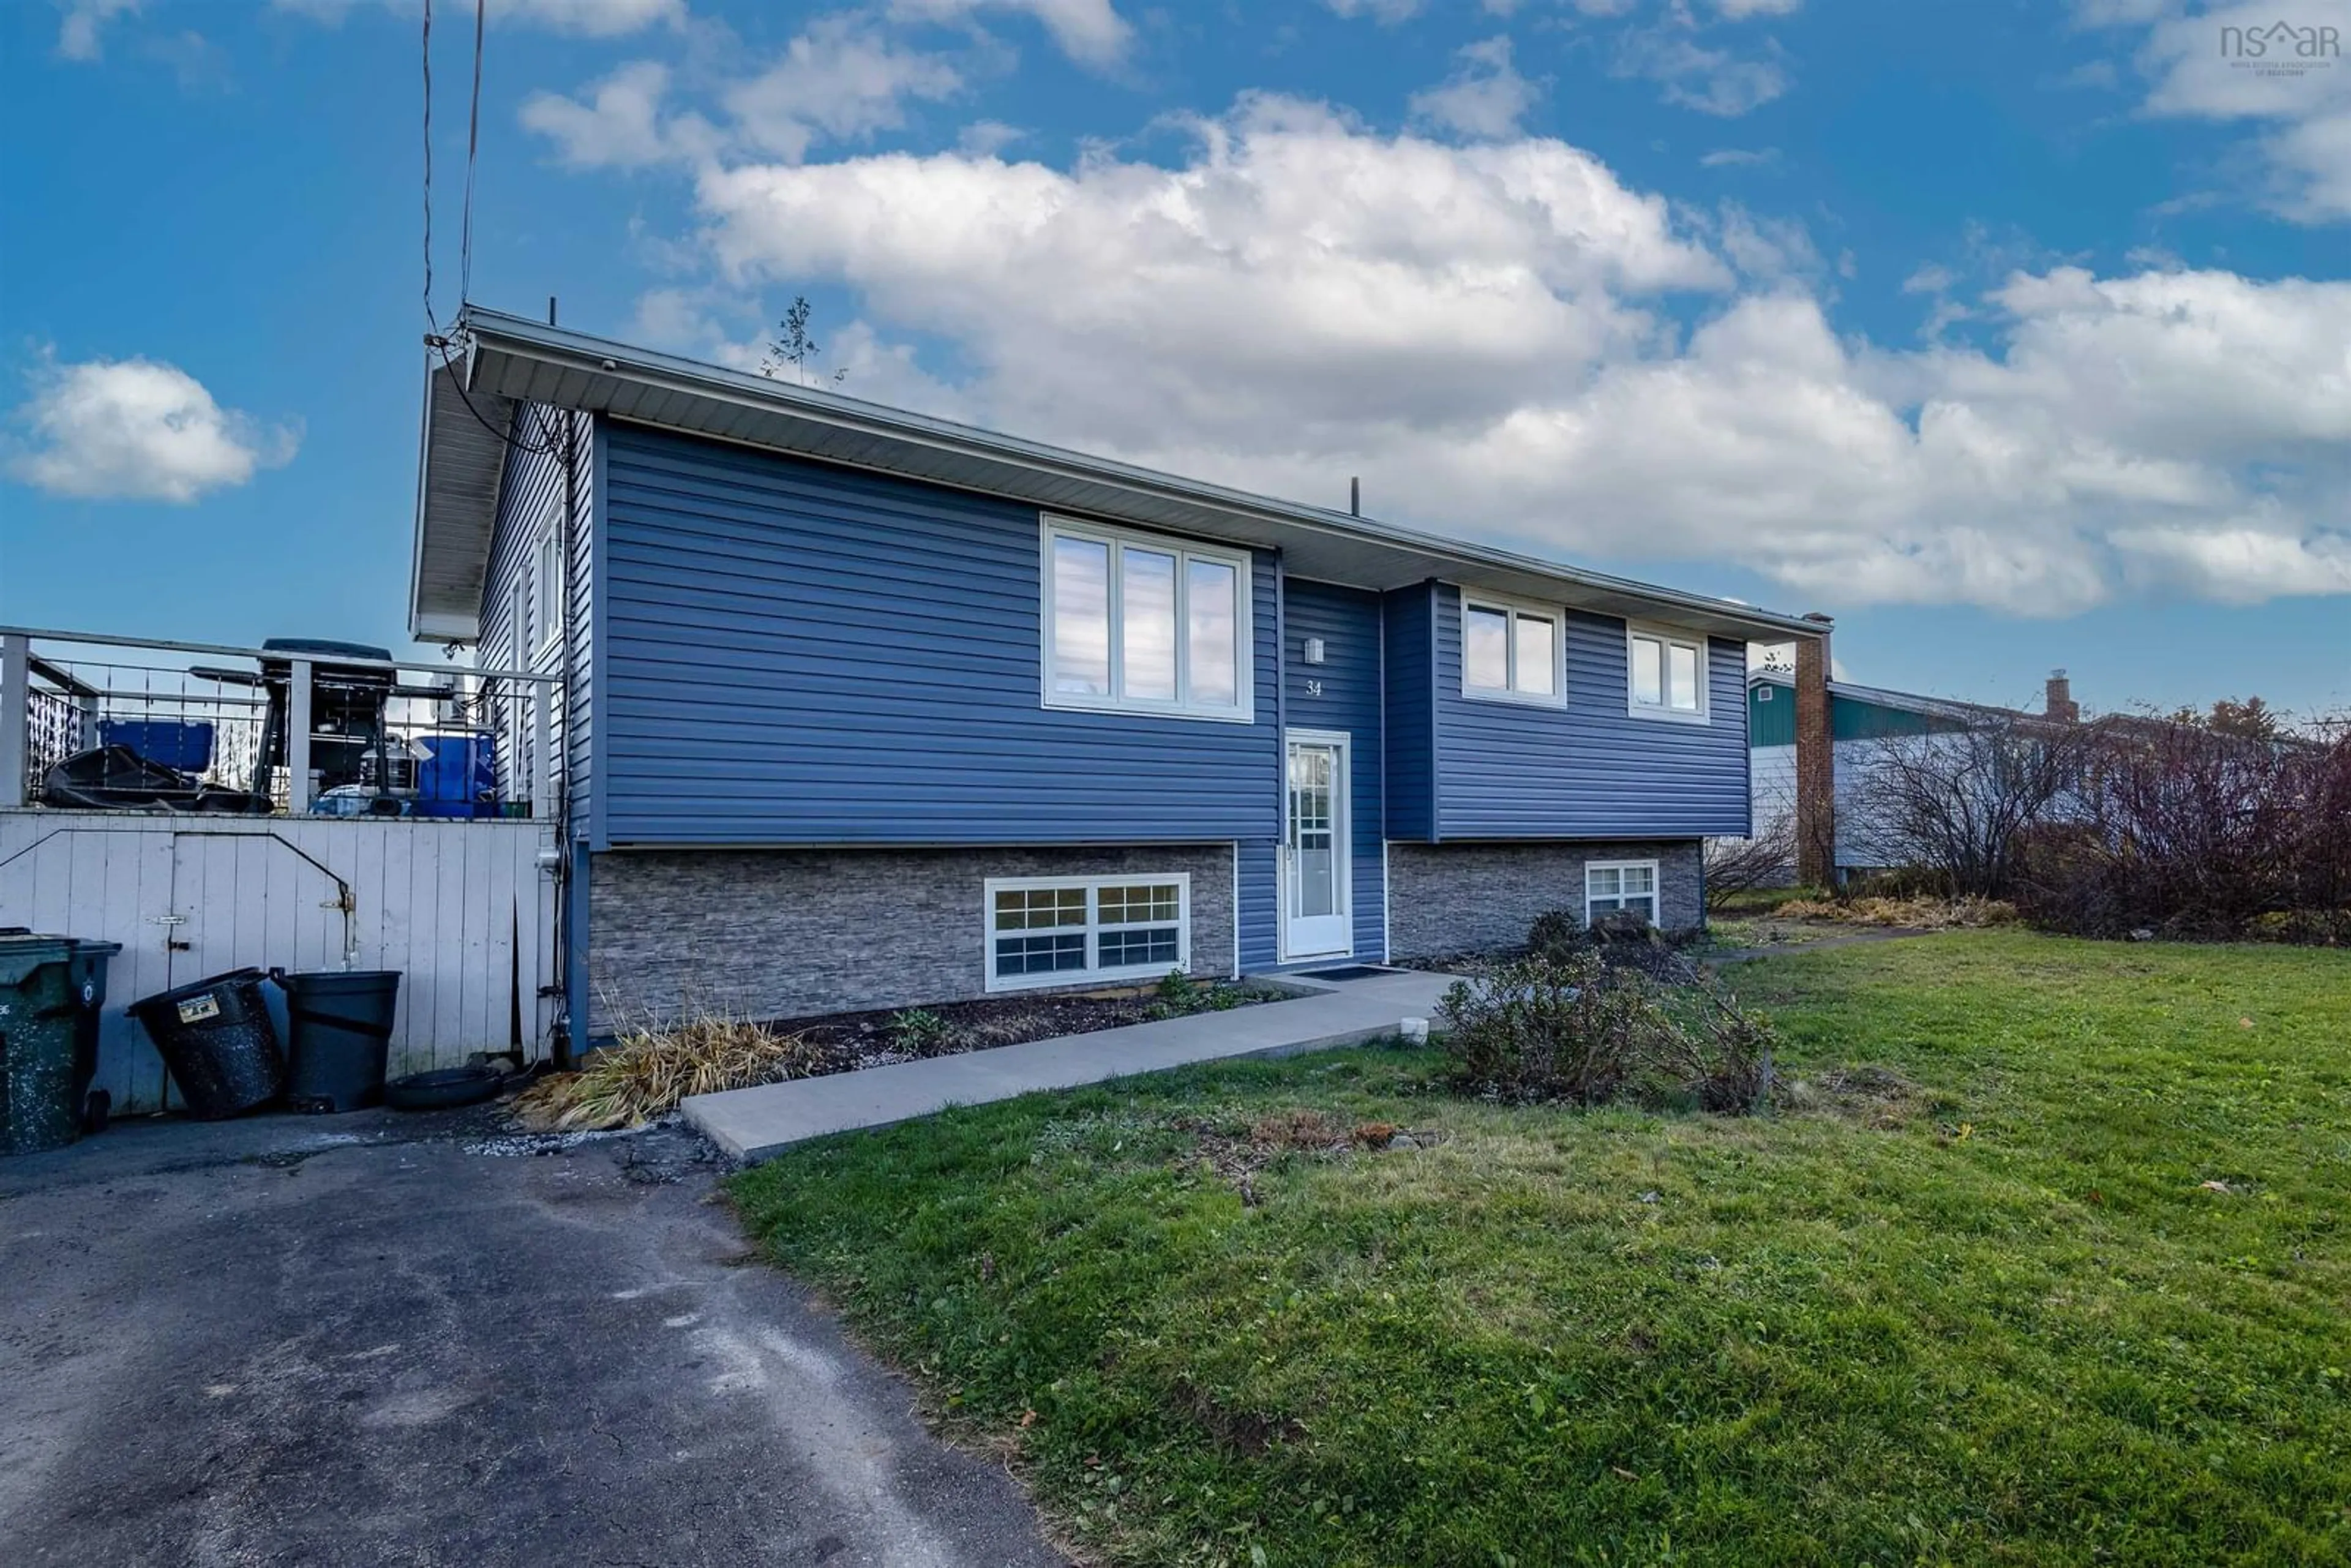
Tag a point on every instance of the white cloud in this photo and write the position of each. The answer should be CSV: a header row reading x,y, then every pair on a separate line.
x,y
2241,564
620,124
1710,81
1740,158
987,137
1487,333
839,78
84,20
1484,97
1736,10
588,18
138,429
2289,81
1388,12
1091,32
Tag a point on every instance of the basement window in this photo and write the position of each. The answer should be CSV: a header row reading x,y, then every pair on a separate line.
x,y
1060,931
1611,886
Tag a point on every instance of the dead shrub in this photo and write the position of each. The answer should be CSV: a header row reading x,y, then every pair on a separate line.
x,y
645,1073
1569,1025
1911,913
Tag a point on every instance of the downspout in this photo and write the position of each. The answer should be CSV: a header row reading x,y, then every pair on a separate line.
x,y
560,1036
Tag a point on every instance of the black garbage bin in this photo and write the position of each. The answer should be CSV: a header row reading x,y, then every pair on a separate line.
x,y
339,1029
216,1038
51,991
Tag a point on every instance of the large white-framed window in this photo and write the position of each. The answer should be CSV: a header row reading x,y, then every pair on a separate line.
x,y
546,593
1665,674
1060,931
1144,625
1512,650
1614,886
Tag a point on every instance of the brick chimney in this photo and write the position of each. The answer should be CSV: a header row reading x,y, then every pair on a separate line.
x,y
2059,703
1816,761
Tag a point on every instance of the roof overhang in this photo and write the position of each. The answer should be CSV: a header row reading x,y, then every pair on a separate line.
x,y
512,360
457,476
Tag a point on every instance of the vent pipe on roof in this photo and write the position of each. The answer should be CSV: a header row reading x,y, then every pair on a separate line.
x,y
1355,496
551,309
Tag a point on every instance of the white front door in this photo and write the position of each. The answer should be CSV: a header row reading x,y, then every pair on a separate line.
x,y
1314,892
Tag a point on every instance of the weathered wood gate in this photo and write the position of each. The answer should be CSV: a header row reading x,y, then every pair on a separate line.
x,y
465,910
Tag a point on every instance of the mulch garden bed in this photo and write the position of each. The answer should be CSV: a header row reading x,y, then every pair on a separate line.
x,y
882,1038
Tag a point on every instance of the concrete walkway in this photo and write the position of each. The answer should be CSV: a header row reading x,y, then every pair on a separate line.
x,y
753,1123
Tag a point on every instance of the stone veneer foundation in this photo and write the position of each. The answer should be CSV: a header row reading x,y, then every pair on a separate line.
x,y
1467,896
771,934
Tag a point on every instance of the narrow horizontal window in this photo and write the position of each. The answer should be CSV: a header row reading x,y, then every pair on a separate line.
x,y
1665,674
1056,931
1511,652
1144,625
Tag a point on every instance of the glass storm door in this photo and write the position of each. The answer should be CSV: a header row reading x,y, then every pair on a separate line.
x,y
1314,874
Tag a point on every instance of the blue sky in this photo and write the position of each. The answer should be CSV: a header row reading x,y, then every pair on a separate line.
x,y
2014,335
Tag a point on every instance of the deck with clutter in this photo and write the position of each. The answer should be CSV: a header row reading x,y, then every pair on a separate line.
x,y
310,807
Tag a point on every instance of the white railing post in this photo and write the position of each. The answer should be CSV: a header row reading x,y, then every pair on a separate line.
x,y
542,748
15,715
298,738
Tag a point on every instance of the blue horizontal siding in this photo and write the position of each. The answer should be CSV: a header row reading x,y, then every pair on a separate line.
x,y
1259,916
1410,634
801,653
1349,701
1512,770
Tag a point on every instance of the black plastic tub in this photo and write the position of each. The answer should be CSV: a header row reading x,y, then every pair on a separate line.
x,y
339,1032
215,1038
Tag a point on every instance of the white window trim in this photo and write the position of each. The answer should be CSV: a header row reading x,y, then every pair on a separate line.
x,y
1244,708
1656,886
1557,696
1094,885
1669,635
547,591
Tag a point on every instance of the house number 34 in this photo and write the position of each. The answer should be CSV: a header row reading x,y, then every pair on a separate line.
x,y
1313,688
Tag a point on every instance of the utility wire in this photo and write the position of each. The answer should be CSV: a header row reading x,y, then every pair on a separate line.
x,y
473,150
429,319
437,341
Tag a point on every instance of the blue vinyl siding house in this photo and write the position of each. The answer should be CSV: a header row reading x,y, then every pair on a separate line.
x,y
865,709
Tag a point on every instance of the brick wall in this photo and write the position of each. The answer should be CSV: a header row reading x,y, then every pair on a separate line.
x,y
1468,897
790,933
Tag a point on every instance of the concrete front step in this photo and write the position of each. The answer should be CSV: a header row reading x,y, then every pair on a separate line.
x,y
753,1123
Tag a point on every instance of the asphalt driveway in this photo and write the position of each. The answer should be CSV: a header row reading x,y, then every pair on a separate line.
x,y
378,1339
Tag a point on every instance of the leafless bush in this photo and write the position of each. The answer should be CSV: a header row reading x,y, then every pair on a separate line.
x,y
1768,858
2188,830
1958,802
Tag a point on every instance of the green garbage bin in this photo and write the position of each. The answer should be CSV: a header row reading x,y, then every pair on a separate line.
x,y
52,990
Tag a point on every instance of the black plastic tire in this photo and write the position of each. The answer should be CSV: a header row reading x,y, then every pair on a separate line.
x,y
444,1088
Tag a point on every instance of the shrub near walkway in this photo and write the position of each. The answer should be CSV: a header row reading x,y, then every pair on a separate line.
x,y
2048,1265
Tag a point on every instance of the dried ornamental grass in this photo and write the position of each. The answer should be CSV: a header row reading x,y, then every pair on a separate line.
x,y
645,1073
1917,914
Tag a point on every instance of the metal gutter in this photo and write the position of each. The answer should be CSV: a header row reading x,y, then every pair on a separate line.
x,y
598,366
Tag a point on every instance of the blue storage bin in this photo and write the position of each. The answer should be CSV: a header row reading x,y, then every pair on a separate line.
x,y
458,779
184,744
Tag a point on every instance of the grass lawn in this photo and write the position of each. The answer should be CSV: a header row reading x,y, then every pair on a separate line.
x,y
1980,1308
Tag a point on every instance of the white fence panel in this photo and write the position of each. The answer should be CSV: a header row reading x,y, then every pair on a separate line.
x,y
461,908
